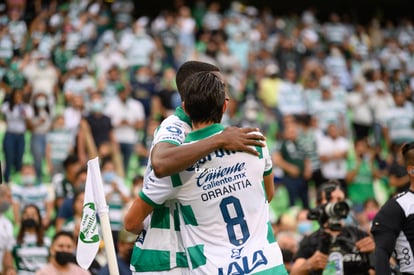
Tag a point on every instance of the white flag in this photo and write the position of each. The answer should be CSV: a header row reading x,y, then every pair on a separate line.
x,y
94,202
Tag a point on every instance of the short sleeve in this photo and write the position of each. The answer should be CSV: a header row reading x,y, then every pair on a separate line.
x,y
171,130
156,191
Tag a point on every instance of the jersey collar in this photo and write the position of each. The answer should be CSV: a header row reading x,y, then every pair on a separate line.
x,y
180,113
204,132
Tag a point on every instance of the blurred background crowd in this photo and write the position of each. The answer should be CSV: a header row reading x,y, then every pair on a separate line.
x,y
84,78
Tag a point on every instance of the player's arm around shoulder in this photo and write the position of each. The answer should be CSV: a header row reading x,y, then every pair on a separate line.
x,y
168,159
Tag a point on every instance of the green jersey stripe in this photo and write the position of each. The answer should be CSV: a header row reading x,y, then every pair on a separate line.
x,y
176,180
197,257
161,218
188,215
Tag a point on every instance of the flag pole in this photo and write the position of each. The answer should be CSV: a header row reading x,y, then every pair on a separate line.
x,y
103,213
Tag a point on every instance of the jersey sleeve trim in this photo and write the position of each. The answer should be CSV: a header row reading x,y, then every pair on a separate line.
x,y
171,142
268,172
148,200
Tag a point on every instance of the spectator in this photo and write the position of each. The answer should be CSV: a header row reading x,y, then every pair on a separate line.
x,y
59,144
333,152
362,118
362,170
43,77
168,96
398,177
7,240
64,184
72,224
31,251
100,124
78,82
40,125
296,167
17,29
398,127
108,57
17,115
61,257
125,245
127,116
31,191
144,90
308,140
138,47
291,98
328,109
117,195
108,83
380,102
66,211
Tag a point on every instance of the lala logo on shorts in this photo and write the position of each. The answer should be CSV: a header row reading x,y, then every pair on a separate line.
x,y
245,265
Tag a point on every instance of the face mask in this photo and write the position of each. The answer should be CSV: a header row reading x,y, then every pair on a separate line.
x,y
28,180
41,102
142,78
29,223
108,177
63,258
97,106
304,227
371,215
4,206
42,64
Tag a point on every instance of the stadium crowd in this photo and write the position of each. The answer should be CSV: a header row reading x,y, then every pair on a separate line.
x,y
84,78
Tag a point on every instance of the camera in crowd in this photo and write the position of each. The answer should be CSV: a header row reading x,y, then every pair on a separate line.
x,y
330,213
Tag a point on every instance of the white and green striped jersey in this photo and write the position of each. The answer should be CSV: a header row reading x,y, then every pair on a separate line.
x,y
224,213
400,123
37,194
159,249
30,257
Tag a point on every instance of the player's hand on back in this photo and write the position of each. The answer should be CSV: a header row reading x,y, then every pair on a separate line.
x,y
241,139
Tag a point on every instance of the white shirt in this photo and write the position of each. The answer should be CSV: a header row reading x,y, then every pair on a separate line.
x,y
333,169
15,118
7,240
132,111
137,49
42,80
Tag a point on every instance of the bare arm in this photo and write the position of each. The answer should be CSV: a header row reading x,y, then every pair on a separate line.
x,y
269,186
136,215
289,168
167,159
301,266
8,266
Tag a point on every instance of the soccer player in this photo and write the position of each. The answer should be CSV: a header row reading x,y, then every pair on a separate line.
x,y
222,200
393,226
158,248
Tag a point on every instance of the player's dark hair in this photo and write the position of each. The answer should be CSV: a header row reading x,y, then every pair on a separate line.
x,y
406,149
62,233
71,159
204,97
39,229
189,68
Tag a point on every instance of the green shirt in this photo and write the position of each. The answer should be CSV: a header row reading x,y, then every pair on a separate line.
x,y
361,188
